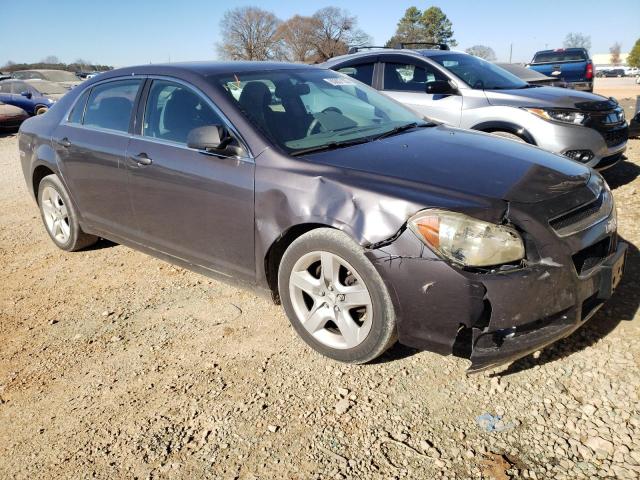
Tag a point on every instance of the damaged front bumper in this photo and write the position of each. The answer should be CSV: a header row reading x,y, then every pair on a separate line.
x,y
496,317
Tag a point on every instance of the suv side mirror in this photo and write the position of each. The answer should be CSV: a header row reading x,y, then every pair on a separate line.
x,y
26,94
214,139
439,87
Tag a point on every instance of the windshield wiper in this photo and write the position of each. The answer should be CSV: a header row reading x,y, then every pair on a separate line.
x,y
402,128
329,146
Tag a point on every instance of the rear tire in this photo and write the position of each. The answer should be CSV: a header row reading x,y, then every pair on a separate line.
x,y
60,217
41,109
335,298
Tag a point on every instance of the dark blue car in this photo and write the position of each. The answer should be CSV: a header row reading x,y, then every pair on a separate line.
x,y
33,96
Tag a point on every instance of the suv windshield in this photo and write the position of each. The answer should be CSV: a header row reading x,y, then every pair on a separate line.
x,y
312,109
560,56
479,74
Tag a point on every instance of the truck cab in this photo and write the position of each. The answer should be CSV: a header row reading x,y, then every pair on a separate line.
x,y
570,65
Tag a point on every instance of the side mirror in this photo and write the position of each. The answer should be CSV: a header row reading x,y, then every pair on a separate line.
x,y
212,138
439,87
26,94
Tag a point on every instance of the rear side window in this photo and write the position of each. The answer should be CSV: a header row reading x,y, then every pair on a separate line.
x,y
5,87
173,110
408,77
363,73
76,114
110,105
560,56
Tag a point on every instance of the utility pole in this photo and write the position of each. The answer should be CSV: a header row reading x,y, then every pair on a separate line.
x,y
510,52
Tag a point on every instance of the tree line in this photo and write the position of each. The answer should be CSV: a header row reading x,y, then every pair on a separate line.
x,y
52,62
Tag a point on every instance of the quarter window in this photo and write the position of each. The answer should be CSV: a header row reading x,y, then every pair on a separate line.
x,y
408,77
76,114
173,110
363,72
110,105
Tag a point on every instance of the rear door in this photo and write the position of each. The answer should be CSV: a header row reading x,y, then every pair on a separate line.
x,y
406,81
194,205
91,145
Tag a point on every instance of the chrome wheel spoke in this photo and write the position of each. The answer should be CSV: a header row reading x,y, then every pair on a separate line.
x,y
306,282
356,296
316,319
348,328
330,268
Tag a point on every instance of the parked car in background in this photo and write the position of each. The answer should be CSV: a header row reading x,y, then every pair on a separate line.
x,y
614,72
62,77
4,76
368,223
468,92
532,77
33,96
570,65
11,116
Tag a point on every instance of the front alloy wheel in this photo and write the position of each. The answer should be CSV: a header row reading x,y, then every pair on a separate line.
x,y
335,298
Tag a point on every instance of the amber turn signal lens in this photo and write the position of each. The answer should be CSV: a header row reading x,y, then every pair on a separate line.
x,y
429,227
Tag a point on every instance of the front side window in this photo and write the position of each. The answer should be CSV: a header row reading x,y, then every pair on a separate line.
x,y
20,87
307,109
363,72
27,75
408,77
110,105
173,110
5,87
479,74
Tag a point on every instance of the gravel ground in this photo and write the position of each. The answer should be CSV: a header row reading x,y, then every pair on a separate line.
x,y
114,364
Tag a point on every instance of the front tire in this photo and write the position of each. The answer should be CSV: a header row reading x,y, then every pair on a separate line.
x,y
509,135
59,216
335,298
41,109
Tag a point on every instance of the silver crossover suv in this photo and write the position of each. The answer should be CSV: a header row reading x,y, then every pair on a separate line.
x,y
468,92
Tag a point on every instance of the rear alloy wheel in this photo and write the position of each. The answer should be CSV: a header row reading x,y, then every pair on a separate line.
x,y
335,298
59,216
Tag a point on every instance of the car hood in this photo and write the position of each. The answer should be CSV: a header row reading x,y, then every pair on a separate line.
x,y
473,163
548,97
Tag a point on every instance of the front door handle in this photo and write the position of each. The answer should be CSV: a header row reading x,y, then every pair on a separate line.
x,y
64,142
142,159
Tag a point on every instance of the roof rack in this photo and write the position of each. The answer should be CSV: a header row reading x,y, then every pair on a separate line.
x,y
441,46
400,46
366,47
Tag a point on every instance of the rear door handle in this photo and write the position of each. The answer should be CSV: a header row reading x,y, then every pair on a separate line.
x,y
64,142
141,159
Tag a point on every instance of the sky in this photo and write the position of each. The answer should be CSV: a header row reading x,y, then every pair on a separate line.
x,y
128,32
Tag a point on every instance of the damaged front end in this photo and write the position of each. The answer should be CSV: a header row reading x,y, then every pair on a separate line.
x,y
495,315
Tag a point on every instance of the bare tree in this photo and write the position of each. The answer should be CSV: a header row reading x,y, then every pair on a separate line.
x,y
51,59
482,51
249,33
297,36
577,40
336,31
614,50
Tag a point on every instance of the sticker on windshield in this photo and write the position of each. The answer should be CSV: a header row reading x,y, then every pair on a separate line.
x,y
337,81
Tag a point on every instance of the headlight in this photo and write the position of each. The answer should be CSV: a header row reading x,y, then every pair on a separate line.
x,y
465,240
562,116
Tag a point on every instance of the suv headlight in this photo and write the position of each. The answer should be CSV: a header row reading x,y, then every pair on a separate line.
x,y
563,116
465,240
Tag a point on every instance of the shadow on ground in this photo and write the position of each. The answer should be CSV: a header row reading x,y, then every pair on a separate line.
x,y
621,174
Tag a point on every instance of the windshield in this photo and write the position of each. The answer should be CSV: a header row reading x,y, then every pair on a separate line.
x,y
560,56
47,88
300,110
479,74
60,76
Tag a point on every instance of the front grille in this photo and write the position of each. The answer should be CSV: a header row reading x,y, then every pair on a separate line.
x,y
591,256
578,215
616,137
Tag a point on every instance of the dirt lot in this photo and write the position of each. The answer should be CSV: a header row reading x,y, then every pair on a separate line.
x,y
620,88
117,365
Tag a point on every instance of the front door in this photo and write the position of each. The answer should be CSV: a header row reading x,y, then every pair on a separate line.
x,y
191,204
407,84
